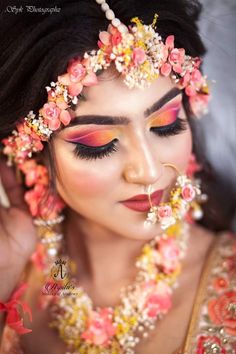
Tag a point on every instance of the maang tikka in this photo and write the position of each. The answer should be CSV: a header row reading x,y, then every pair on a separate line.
x,y
185,197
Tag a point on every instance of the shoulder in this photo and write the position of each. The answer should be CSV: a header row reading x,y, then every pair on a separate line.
x,y
215,315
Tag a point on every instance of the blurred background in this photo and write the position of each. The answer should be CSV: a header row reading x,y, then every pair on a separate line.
x,y
218,31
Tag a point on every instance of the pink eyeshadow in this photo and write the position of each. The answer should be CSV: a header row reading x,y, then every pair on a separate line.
x,y
97,138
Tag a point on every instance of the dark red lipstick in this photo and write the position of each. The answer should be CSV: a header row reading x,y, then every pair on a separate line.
x,y
141,202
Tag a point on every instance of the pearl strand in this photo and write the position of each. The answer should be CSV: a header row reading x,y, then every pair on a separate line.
x,y
111,16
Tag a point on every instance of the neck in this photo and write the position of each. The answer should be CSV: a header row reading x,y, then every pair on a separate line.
x,y
103,259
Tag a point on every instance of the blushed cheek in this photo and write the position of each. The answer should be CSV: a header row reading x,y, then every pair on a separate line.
x,y
86,178
179,151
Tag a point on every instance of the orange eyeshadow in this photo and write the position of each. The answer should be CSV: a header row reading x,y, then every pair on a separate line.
x,y
166,117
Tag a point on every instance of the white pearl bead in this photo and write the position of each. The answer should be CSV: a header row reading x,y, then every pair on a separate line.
x,y
105,7
122,28
100,1
52,251
115,22
110,15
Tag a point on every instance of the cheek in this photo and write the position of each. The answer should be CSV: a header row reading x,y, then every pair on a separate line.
x,y
83,177
179,150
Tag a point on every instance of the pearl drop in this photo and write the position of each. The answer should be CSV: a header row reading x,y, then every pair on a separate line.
x,y
100,1
52,251
115,22
105,7
110,15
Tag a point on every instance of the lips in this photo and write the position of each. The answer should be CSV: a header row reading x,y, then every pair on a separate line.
x,y
141,202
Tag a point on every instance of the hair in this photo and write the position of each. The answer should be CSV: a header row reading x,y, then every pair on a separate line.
x,y
35,48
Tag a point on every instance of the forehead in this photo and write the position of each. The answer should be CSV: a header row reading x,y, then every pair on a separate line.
x,y
112,96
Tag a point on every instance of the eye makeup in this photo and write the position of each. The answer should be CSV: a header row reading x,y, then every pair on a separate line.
x,y
165,117
95,142
95,138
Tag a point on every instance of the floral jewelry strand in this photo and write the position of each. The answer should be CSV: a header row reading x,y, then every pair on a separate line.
x,y
117,330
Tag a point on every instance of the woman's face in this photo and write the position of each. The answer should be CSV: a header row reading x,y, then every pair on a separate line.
x,y
116,147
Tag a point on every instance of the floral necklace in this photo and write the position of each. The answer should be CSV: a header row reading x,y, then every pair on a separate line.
x,y
118,330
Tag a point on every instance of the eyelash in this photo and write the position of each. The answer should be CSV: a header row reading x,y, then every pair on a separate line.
x,y
93,153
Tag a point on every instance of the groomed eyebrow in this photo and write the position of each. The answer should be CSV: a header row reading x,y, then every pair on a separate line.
x,y
119,120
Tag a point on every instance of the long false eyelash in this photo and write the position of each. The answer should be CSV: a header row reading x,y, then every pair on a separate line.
x,y
92,153
171,129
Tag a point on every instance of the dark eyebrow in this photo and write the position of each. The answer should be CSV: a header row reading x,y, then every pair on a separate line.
x,y
119,120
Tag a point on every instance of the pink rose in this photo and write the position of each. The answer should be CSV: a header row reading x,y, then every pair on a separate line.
x,y
159,299
76,70
51,113
169,253
188,193
164,211
99,327
138,56
116,36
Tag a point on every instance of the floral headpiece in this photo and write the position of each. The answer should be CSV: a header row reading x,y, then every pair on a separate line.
x,y
139,55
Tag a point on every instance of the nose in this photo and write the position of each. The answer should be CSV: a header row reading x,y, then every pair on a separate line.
x,y
143,165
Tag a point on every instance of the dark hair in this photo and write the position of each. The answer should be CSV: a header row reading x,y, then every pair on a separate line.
x,y
35,48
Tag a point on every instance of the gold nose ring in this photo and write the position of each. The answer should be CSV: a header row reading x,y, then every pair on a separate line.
x,y
172,166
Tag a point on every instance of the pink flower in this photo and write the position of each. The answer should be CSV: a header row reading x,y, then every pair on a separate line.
x,y
109,39
176,59
33,198
138,56
51,207
51,113
34,173
54,116
99,327
158,299
77,76
190,91
199,103
221,311
166,69
23,144
188,193
105,38
169,253
164,211
170,42
76,70
196,76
